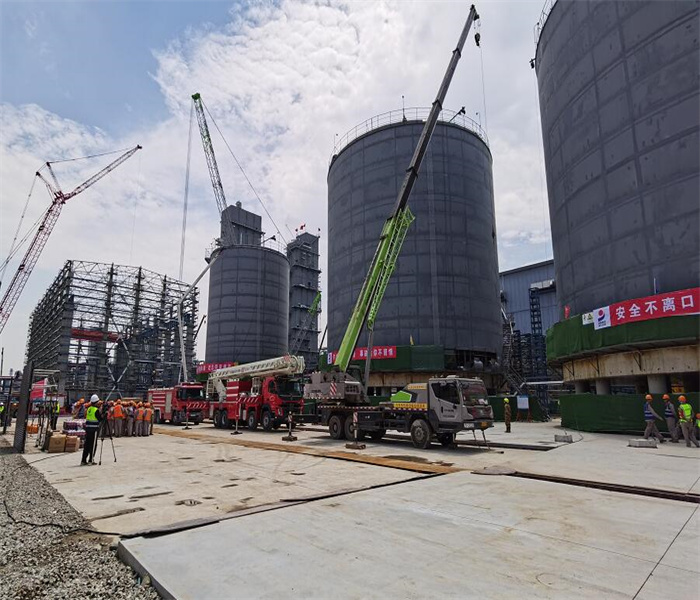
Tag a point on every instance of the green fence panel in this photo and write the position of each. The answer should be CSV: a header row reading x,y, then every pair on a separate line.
x,y
570,337
619,413
497,404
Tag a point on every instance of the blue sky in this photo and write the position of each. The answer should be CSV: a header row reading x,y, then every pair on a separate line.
x,y
92,61
281,78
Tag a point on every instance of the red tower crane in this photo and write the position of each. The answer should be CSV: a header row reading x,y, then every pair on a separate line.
x,y
42,234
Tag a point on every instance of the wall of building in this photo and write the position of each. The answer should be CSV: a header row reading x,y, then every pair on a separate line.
x,y
515,289
620,105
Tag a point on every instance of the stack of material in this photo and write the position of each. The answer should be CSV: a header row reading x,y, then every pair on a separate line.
x,y
75,428
57,443
73,443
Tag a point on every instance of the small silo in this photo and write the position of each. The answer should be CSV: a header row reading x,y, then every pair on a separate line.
x,y
444,291
618,91
248,295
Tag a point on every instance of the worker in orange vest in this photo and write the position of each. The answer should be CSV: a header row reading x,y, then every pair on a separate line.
x,y
110,416
118,419
139,419
147,419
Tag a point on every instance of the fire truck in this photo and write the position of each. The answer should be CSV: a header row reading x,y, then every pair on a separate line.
x,y
265,392
183,402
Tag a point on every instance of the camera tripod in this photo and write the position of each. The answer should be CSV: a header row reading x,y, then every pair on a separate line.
x,y
105,431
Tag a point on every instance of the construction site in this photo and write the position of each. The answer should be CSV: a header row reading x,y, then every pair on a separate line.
x,y
311,413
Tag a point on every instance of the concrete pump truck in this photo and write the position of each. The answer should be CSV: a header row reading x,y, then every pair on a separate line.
x,y
437,409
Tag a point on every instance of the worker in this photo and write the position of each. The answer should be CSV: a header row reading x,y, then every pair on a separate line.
x,y
147,419
139,419
129,419
685,414
2,413
81,409
506,413
92,425
110,417
54,415
650,416
118,418
671,416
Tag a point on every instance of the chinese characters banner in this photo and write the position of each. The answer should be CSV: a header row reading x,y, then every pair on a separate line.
x,y
682,302
209,367
378,353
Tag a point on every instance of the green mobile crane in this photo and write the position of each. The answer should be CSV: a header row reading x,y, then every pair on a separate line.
x,y
338,395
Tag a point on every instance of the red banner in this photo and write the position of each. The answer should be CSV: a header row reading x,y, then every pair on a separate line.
x,y
670,304
205,368
93,335
378,353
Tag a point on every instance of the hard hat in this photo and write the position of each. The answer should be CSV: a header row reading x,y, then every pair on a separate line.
x,y
648,397
94,398
681,398
506,400
81,400
666,397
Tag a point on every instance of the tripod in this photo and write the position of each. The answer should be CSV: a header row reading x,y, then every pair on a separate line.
x,y
106,431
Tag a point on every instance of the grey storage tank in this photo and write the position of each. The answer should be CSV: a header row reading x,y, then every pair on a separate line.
x,y
445,289
618,91
248,295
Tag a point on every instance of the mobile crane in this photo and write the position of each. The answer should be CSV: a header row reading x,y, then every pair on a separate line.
x,y
438,408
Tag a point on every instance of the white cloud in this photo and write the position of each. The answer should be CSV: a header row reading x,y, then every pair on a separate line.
x,y
281,80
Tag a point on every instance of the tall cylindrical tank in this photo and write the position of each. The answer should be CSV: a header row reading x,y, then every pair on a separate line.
x,y
248,305
444,290
618,90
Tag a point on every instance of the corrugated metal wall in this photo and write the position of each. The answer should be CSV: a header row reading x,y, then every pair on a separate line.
x,y
515,285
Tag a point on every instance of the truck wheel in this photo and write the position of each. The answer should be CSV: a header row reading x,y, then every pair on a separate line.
x,y
420,434
252,420
176,418
223,420
217,419
447,440
336,427
349,429
376,436
267,420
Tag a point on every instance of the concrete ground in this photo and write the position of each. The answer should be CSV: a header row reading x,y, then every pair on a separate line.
x,y
391,521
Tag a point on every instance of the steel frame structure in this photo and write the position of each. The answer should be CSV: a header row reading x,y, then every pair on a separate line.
x,y
112,329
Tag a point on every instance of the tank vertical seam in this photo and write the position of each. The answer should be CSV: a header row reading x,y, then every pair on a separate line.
x,y
435,301
635,146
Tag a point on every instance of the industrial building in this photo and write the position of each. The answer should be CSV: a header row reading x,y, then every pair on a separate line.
x,y
304,302
443,298
111,330
248,293
620,107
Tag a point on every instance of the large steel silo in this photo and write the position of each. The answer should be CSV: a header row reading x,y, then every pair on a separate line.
x,y
618,90
248,316
445,288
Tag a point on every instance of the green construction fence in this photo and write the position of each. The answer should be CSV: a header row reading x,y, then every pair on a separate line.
x,y
619,413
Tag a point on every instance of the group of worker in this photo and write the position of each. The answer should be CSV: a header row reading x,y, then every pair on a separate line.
x,y
125,418
678,420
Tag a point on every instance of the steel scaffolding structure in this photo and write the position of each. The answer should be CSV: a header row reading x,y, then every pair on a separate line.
x,y
111,329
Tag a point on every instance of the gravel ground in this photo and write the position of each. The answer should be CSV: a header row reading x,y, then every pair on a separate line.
x,y
46,547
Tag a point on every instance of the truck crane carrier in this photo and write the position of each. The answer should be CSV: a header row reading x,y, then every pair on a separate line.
x,y
265,392
442,406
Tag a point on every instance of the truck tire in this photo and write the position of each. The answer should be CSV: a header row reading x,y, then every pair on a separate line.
x,y
420,434
267,420
349,428
336,427
252,420
376,436
176,420
223,420
447,440
217,419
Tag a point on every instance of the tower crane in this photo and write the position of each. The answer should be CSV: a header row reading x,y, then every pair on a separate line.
x,y
59,198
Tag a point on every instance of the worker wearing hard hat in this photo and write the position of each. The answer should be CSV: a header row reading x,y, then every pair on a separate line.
x,y
147,419
139,419
671,417
80,413
129,419
118,418
650,416
507,413
93,417
685,415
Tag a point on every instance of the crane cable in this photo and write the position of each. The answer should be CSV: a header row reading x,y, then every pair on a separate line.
x,y
12,250
244,174
187,192
483,85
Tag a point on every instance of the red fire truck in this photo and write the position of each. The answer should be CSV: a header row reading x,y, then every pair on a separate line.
x,y
177,404
263,392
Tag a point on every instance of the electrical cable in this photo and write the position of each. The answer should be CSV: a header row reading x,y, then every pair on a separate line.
x,y
244,174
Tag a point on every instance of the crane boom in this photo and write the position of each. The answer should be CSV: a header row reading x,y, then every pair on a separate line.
x,y
282,365
396,226
13,292
211,158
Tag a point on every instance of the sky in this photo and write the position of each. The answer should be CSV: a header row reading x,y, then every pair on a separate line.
x,y
282,79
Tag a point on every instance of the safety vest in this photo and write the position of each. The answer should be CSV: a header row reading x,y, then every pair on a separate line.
x,y
669,411
118,414
2,408
91,414
685,412
58,408
648,415
139,414
147,414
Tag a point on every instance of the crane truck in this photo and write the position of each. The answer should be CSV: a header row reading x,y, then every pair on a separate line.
x,y
442,406
264,392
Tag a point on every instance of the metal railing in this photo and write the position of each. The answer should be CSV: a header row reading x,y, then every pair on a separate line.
x,y
413,114
546,9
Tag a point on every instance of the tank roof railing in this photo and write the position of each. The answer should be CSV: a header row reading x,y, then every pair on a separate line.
x,y
544,14
413,114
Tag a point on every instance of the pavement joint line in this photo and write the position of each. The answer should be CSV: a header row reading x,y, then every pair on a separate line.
x,y
335,454
612,487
